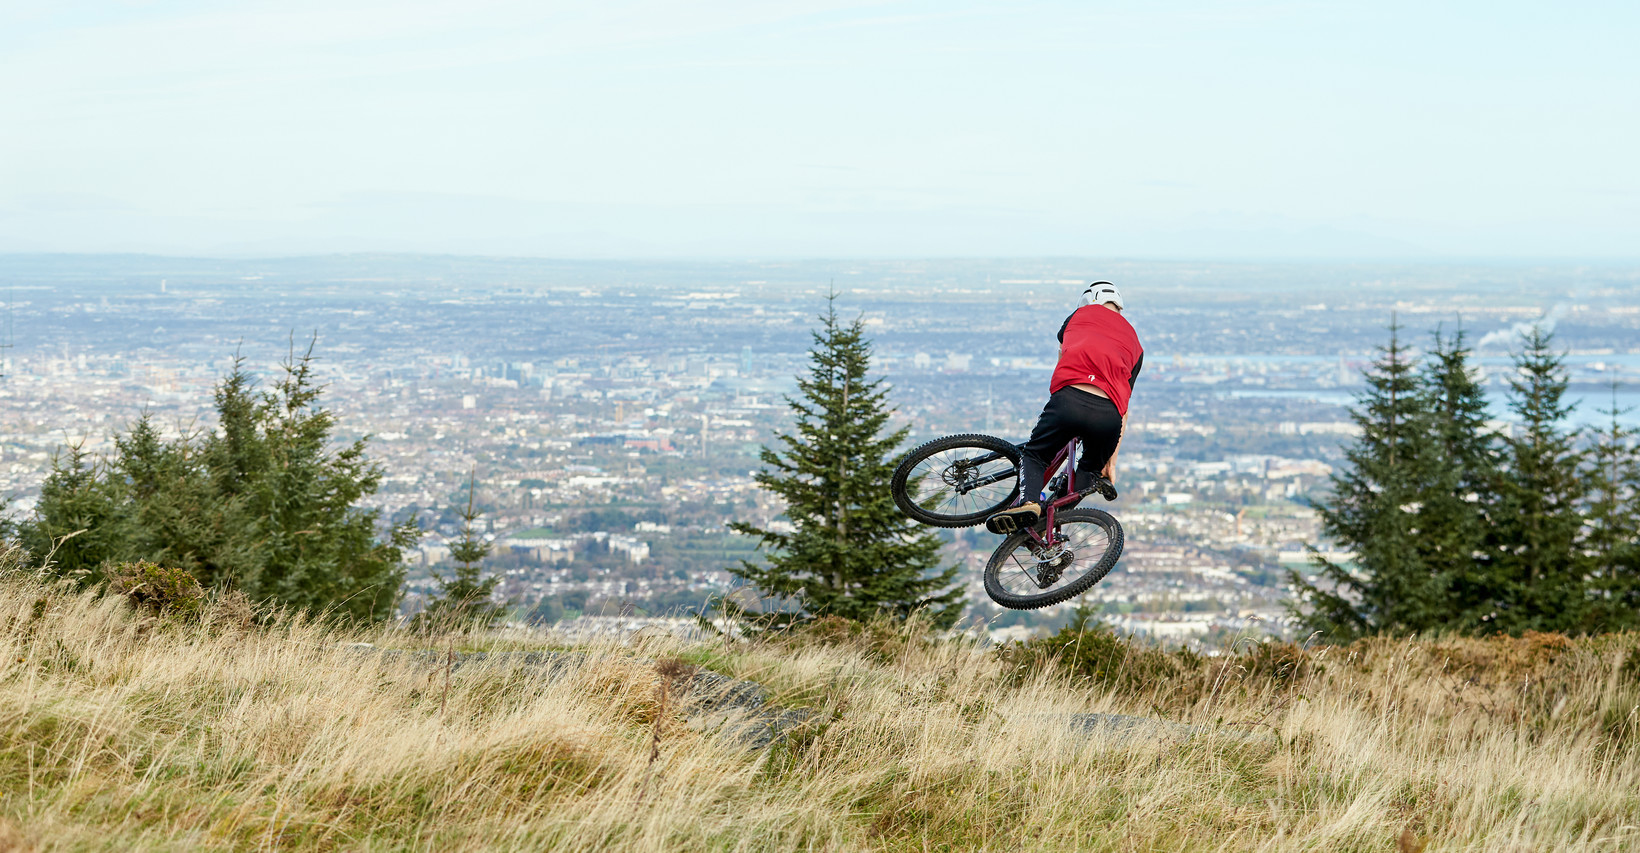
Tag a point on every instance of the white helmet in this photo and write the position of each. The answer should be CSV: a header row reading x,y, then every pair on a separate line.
x,y
1102,291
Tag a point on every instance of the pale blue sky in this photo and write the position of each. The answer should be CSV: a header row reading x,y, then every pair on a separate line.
x,y
817,128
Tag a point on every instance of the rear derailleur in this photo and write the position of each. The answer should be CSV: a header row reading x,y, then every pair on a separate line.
x,y
1051,563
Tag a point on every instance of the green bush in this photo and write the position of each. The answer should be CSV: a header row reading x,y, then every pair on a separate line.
x,y
158,590
1086,649
1276,662
885,638
466,599
267,503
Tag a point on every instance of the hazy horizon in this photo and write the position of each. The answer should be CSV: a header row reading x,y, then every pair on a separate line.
x,y
822,129
1498,262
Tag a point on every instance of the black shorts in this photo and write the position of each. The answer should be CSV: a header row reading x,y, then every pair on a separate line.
x,y
1071,413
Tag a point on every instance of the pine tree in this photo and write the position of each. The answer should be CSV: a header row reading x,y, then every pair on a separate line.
x,y
81,521
1373,513
1458,501
262,504
1538,525
1612,545
317,550
852,554
467,597
178,517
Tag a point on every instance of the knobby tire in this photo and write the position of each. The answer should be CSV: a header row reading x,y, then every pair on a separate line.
x,y
1075,587
981,444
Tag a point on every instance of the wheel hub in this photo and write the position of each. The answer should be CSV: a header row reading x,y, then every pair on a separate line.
x,y
956,476
1051,564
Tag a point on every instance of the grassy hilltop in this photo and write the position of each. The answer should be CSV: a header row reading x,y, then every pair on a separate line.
x,y
124,731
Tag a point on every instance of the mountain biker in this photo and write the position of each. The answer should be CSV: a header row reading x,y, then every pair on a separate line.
x,y
1099,360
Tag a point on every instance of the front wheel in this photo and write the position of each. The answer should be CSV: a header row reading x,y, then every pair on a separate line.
x,y
1024,575
957,481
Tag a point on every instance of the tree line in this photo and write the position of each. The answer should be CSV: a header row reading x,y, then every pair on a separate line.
x,y
1455,524
263,504
1460,526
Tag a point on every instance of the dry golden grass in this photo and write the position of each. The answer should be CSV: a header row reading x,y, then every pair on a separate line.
x,y
122,732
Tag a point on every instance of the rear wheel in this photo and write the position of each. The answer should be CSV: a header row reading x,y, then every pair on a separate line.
x,y
1023,575
957,481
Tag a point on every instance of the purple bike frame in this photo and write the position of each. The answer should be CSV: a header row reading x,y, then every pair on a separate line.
x,y
1072,494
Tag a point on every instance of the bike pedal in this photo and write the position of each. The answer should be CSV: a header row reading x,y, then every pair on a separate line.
x,y
1001,525
1006,522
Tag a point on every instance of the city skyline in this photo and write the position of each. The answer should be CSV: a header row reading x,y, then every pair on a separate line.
x,y
612,412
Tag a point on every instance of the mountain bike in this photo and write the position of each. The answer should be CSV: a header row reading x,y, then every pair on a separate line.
x,y
961,480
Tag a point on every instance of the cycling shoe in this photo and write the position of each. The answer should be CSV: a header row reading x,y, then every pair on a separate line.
x,y
1013,520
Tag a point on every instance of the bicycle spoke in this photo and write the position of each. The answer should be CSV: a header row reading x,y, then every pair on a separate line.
x,y
1088,544
1020,580
1023,568
957,481
936,483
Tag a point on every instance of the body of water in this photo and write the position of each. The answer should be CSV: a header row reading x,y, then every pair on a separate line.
x,y
1587,412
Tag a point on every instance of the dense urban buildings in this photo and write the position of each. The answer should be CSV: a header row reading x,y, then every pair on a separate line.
x,y
612,412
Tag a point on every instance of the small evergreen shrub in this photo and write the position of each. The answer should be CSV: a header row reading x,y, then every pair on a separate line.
x,y
884,638
1277,662
467,598
158,590
1086,649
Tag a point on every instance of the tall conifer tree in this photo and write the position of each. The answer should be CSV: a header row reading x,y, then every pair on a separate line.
x,y
1612,547
852,553
1540,520
1372,513
1458,502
